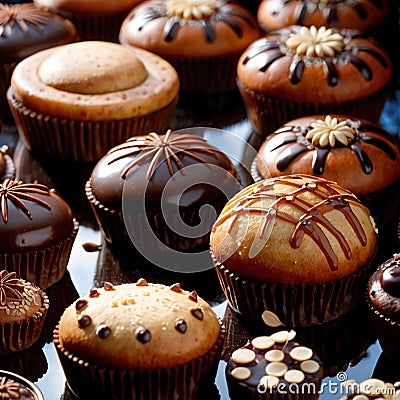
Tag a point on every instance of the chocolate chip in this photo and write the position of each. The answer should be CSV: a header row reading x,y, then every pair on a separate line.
x,y
176,287
193,296
91,247
180,326
108,286
143,334
84,321
197,313
373,293
103,331
94,293
80,304
142,282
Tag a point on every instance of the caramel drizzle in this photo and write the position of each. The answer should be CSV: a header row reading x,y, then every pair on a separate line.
x,y
16,192
22,15
294,137
229,17
158,149
269,50
330,9
313,216
11,288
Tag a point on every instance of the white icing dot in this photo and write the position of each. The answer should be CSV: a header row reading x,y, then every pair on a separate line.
x,y
276,369
243,356
283,336
301,353
309,366
294,376
274,355
241,373
269,381
262,342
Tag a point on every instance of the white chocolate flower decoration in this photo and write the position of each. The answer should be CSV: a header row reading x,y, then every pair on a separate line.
x,y
330,133
315,42
191,9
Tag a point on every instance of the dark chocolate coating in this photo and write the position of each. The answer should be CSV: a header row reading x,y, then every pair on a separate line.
x,y
45,226
18,41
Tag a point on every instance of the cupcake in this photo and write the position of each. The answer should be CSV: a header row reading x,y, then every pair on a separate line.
x,y
94,20
299,246
104,94
365,15
37,231
7,166
14,386
274,367
203,40
26,30
357,154
143,341
161,184
23,310
299,71
383,298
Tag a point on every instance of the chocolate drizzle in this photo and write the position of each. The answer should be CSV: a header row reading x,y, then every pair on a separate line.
x,y
313,215
230,17
22,15
16,192
291,144
11,288
158,149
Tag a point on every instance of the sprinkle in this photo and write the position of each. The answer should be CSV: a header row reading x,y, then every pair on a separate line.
x,y
243,356
94,293
197,313
193,296
103,331
241,373
143,334
108,286
176,287
142,282
180,326
84,321
91,247
80,304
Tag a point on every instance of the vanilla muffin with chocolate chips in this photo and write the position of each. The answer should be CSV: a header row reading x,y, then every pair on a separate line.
x,y
144,339
298,71
267,366
75,102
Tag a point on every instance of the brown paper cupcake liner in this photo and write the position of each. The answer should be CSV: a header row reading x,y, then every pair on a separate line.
x,y
19,335
42,267
268,114
86,380
87,141
295,305
206,75
5,113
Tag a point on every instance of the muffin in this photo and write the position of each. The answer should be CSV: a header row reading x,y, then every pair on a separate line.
x,y
26,30
357,154
23,311
274,367
299,71
37,231
154,190
15,386
383,299
203,40
105,94
138,340
94,20
299,246
365,15
7,166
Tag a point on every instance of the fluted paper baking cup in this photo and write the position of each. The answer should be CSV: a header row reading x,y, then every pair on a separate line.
x,y
181,382
42,267
76,140
19,335
295,305
255,173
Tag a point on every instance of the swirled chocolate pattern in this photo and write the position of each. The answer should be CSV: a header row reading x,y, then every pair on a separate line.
x,y
330,8
291,141
21,15
11,288
159,149
17,192
313,217
206,13
327,46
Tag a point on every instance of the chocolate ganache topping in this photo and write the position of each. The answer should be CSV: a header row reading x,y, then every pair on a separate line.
x,y
32,216
324,136
330,8
390,277
312,217
25,29
202,12
314,45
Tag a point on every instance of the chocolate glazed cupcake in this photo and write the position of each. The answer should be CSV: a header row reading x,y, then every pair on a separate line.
x,y
299,71
37,231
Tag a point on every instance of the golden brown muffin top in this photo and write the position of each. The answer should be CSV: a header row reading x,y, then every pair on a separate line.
x,y
357,154
19,299
140,325
294,229
95,80
316,65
